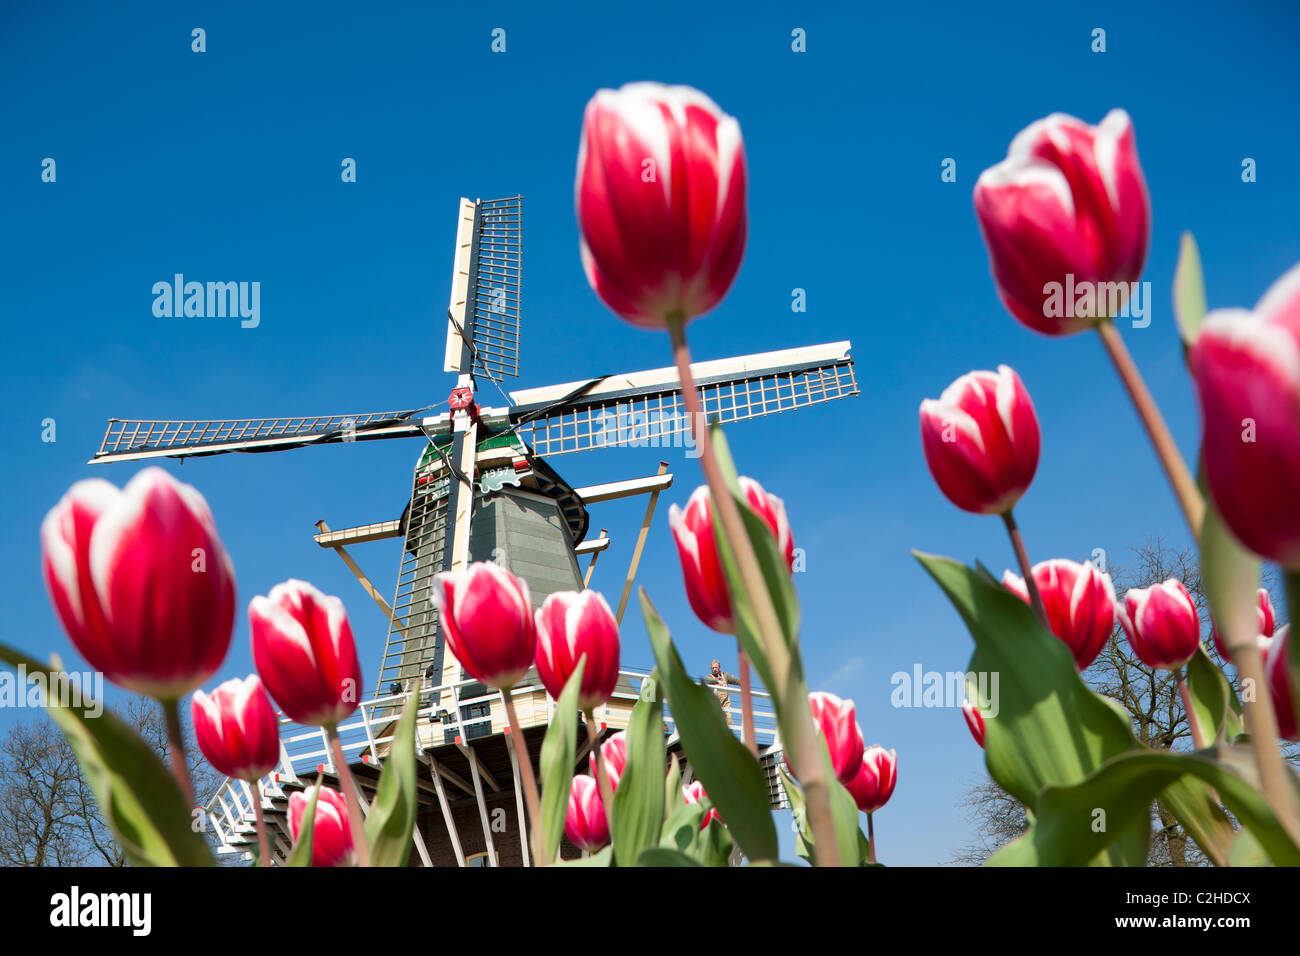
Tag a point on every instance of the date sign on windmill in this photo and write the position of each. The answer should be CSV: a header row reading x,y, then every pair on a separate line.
x,y
483,489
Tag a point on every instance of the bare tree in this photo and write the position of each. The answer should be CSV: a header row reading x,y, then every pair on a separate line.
x,y
48,813
1149,695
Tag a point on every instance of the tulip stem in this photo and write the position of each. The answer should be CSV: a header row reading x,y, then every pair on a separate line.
x,y
790,692
1194,725
526,772
746,700
263,848
176,749
351,794
1185,490
602,777
871,839
1026,569
1261,725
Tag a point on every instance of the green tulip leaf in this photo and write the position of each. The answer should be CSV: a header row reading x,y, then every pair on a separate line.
x,y
141,801
391,820
1050,729
731,776
660,856
673,788
603,857
1230,574
639,800
1217,710
559,749
301,853
1075,823
1189,291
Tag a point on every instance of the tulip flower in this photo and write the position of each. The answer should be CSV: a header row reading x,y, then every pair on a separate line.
x,y
974,720
331,832
236,728
873,783
571,625
1162,624
141,582
1267,621
1066,220
304,650
585,823
706,582
1079,601
660,201
836,722
613,752
981,440
305,653
1247,370
487,616
238,732
693,793
1277,669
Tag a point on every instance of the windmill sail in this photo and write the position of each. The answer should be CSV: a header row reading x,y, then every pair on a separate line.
x,y
485,292
647,407
130,439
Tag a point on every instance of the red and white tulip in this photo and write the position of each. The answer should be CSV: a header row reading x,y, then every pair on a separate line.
x,y
693,530
660,201
1277,671
613,754
1067,206
305,653
584,823
1079,601
836,722
1162,624
141,582
1267,621
873,784
974,721
1247,370
331,832
981,440
487,616
236,728
693,793
571,625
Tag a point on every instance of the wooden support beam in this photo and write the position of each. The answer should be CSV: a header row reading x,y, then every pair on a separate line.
x,y
360,534
595,553
482,807
360,576
519,799
436,770
640,544
628,488
482,770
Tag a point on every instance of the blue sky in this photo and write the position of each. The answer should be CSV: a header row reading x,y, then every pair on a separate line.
x,y
225,166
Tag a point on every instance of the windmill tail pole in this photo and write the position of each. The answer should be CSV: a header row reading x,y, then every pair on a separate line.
x,y
790,688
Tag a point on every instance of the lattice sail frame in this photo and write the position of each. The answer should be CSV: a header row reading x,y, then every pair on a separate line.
x,y
654,415
144,438
497,285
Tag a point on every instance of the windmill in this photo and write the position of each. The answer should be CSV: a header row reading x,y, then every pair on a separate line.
x,y
482,489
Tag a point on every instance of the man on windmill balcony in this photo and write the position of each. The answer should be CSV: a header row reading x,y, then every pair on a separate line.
x,y
719,680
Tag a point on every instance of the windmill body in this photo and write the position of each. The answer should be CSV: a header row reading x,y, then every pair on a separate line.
x,y
482,489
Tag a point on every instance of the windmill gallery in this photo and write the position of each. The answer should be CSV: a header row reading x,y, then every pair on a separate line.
x,y
482,488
